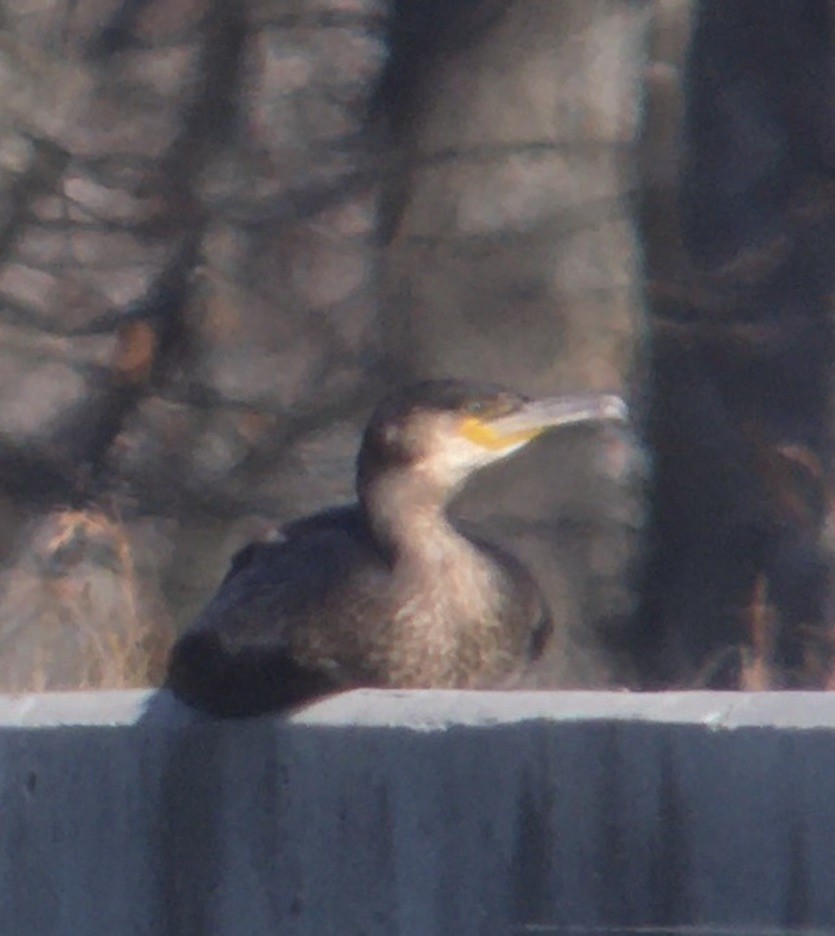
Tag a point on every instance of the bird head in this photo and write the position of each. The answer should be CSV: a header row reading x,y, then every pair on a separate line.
x,y
445,430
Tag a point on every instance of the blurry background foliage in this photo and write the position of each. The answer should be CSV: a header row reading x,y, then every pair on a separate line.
x,y
227,227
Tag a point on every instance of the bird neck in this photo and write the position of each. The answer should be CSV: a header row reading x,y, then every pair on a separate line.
x,y
407,515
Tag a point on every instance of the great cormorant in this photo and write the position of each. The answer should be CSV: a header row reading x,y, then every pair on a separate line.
x,y
387,592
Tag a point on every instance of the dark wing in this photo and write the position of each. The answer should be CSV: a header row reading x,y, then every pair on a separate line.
x,y
241,656
347,518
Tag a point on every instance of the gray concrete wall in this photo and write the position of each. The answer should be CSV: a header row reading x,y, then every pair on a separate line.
x,y
417,813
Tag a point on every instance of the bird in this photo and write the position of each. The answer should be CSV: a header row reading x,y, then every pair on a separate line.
x,y
388,592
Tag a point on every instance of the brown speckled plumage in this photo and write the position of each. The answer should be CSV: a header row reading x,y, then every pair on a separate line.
x,y
385,593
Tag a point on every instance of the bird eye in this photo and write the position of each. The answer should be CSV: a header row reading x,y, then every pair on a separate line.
x,y
477,408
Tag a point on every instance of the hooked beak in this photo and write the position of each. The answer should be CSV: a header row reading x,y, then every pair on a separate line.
x,y
537,416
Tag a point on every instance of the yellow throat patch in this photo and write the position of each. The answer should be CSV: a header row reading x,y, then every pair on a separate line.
x,y
483,434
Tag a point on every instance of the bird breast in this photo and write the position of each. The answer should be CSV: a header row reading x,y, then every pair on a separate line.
x,y
446,628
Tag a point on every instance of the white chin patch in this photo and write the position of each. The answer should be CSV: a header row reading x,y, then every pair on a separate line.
x,y
459,457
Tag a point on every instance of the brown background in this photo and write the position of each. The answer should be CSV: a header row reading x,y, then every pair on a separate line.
x,y
227,227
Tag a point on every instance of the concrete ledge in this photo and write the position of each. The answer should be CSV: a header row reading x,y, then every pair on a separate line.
x,y
420,710
418,813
